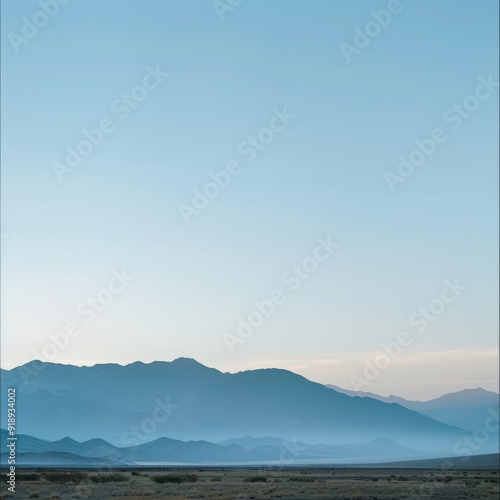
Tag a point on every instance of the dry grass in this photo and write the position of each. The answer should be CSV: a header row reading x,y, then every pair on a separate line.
x,y
287,484
109,478
175,478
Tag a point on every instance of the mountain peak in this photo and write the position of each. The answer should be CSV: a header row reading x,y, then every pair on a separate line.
x,y
187,362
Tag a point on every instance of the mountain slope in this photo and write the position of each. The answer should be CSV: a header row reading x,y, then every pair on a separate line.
x,y
130,405
162,450
467,409
59,459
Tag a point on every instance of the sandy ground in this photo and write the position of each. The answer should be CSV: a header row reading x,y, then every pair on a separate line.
x,y
234,484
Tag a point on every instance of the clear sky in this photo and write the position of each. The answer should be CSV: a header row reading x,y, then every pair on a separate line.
x,y
354,104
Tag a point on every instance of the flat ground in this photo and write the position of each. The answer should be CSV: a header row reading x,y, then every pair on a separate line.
x,y
245,484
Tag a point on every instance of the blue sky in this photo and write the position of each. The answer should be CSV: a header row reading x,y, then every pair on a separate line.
x,y
322,175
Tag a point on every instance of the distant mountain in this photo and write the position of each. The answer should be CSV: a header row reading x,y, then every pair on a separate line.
x,y
266,450
70,451
59,459
467,409
98,452
249,442
133,404
362,394
378,448
28,443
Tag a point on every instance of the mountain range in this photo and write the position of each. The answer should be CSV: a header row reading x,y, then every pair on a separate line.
x,y
181,409
100,453
467,409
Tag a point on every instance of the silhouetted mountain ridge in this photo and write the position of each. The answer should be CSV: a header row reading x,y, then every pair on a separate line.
x,y
468,408
190,401
166,450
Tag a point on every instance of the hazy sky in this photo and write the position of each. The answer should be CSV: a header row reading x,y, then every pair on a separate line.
x,y
341,116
